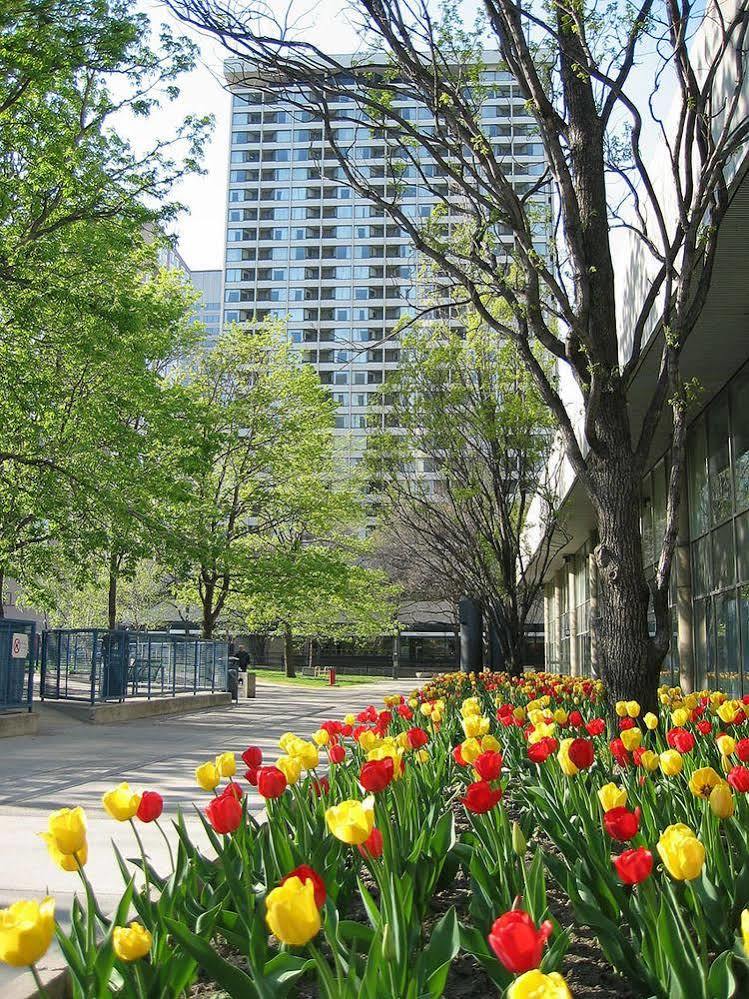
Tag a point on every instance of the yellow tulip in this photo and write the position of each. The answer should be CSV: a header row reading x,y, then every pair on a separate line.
x,y
351,719
632,738
702,782
307,755
69,862
745,930
352,821
207,776
131,943
472,726
727,712
321,737
470,706
26,931
682,853
226,764
650,760
389,749
471,750
121,803
671,762
721,801
519,714
426,709
612,796
633,709
726,745
421,756
651,720
66,829
368,740
568,767
286,740
621,709
536,985
290,767
489,744
680,717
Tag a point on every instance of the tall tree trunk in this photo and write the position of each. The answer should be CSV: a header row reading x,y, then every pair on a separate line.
x,y
112,591
209,616
629,665
288,652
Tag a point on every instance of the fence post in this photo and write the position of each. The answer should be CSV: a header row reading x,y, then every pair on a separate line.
x,y
149,666
173,658
195,668
93,667
213,669
31,664
43,666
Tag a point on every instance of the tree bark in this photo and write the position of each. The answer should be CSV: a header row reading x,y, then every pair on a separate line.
x,y
112,591
629,663
288,653
209,616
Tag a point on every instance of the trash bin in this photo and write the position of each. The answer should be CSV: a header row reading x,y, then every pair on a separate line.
x,y
245,686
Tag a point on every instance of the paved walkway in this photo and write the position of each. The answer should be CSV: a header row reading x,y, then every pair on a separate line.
x,y
72,763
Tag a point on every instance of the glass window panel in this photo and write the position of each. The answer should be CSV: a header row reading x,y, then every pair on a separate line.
x,y
647,525
740,425
742,544
701,575
727,644
659,506
743,598
721,500
710,665
724,570
698,494
700,643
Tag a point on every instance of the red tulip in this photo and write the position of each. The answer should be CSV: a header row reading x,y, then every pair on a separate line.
x,y
621,824
596,726
481,797
738,778
517,942
337,754
575,719
306,873
679,738
417,737
376,775
581,753
271,782
371,848
234,790
253,757
705,727
619,752
151,806
458,756
540,751
405,712
489,765
224,813
625,723
742,750
321,786
251,775
634,866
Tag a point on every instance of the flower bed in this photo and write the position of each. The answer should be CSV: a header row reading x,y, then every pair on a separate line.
x,y
362,884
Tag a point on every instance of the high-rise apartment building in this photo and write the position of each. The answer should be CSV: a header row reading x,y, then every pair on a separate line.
x,y
303,246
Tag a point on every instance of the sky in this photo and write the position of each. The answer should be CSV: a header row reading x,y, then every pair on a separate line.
x,y
200,230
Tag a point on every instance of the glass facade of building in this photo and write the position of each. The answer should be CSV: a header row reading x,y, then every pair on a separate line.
x,y
717,499
302,246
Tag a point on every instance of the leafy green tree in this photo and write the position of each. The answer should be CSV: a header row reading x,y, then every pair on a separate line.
x,y
458,471
263,421
87,317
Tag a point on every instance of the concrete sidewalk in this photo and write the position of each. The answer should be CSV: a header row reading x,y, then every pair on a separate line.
x,y
70,763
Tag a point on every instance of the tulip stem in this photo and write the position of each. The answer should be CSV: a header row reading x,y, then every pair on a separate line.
x,y
143,858
37,979
168,844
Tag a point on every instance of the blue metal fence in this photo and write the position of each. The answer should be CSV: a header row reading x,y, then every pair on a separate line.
x,y
17,656
97,665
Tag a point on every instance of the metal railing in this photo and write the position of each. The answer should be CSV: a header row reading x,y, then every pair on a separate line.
x,y
97,665
17,656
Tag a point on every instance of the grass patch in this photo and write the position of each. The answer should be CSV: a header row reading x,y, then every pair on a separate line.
x,y
342,680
